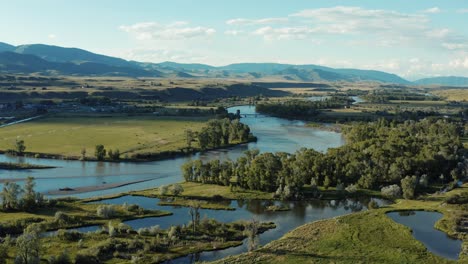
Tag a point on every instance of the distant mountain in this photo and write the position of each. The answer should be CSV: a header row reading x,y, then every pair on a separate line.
x,y
6,47
12,62
59,60
73,55
445,80
185,66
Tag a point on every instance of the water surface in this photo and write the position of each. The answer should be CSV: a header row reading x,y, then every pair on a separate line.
x,y
422,226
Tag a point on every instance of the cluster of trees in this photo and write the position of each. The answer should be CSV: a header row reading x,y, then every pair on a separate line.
x,y
13,197
220,132
301,108
385,95
376,154
100,153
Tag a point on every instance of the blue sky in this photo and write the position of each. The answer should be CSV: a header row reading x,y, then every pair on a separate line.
x,y
414,38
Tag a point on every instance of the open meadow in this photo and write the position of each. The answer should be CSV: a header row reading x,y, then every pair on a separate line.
x,y
68,135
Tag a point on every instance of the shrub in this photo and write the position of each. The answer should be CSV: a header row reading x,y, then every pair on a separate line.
x,y
86,259
408,185
71,235
373,204
392,191
177,189
351,188
105,211
63,258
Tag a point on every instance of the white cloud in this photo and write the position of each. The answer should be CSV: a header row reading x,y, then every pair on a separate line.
x,y
270,33
52,36
462,11
160,55
432,10
358,20
455,46
176,30
234,32
263,21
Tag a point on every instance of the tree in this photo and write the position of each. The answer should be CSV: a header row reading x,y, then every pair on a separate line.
x,y
10,196
83,154
100,152
194,212
29,198
408,186
28,247
114,155
251,230
176,189
20,147
189,137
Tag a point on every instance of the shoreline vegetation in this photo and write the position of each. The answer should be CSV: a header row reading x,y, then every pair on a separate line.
x,y
22,166
148,139
369,236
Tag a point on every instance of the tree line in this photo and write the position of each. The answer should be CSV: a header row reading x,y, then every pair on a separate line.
x,y
301,108
376,154
218,133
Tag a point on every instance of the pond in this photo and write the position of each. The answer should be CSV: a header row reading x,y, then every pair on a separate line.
x,y
422,226
301,212
274,134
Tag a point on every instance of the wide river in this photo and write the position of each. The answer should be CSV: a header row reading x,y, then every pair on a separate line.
x,y
274,134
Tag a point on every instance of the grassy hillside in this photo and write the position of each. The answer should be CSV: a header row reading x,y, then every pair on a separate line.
x,y
365,237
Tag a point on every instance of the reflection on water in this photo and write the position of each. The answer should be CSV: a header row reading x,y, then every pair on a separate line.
x,y
301,212
422,226
274,134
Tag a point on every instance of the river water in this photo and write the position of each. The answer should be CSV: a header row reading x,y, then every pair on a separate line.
x,y
274,134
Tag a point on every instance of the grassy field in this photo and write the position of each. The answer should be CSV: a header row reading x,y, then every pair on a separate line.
x,y
365,237
453,94
69,135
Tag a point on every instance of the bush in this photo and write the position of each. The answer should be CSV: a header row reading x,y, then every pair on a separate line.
x,y
408,185
105,211
373,204
392,191
63,258
457,199
177,189
86,259
351,188
71,235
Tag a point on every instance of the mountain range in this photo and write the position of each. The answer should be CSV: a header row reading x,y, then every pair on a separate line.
x,y
54,60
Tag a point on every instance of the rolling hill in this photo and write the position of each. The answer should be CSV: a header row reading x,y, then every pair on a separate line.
x,y
445,80
47,59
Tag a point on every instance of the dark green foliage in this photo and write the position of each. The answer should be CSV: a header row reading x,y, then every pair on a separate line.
x,y
408,186
63,258
376,154
300,108
86,259
222,132
100,152
20,147
458,198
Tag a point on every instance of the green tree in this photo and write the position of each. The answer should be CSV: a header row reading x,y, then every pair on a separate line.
x,y
408,186
189,137
100,152
20,147
29,198
28,247
10,196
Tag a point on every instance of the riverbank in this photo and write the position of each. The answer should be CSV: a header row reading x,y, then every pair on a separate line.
x,y
368,237
22,166
142,157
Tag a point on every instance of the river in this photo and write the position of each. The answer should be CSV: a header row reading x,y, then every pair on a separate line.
x,y
274,134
